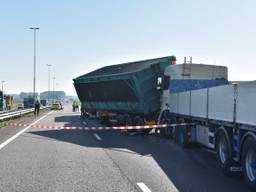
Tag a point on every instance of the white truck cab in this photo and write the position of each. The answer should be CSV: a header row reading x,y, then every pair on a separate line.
x,y
191,71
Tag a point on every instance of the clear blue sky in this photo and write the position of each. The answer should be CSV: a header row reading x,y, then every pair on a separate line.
x,y
81,35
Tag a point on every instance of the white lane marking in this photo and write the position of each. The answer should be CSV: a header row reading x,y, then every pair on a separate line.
x,y
143,187
97,136
2,145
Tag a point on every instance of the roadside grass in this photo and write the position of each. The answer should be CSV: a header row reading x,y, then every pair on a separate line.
x,y
4,123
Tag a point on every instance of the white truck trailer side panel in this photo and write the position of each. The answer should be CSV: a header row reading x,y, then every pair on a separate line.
x,y
173,102
184,103
221,103
199,103
246,105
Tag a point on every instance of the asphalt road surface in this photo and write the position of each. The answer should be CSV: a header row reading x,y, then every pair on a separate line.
x,y
41,159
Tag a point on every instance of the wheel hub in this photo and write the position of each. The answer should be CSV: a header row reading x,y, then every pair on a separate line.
x,y
223,151
253,164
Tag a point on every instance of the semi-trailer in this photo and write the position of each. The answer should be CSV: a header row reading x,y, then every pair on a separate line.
x,y
214,112
124,93
223,118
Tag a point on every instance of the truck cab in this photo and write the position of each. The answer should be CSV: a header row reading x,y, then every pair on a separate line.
x,y
191,76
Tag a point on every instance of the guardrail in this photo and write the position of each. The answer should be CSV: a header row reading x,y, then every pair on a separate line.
x,y
12,114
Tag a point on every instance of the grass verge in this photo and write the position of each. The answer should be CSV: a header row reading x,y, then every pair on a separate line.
x,y
16,119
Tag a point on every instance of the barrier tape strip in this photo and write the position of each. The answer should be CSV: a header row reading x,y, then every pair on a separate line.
x,y
99,128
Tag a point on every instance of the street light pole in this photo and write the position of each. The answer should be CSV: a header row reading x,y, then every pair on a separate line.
x,y
49,80
2,99
3,87
56,89
34,78
53,85
2,105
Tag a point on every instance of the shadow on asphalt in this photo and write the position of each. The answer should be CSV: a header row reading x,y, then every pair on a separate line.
x,y
69,120
189,169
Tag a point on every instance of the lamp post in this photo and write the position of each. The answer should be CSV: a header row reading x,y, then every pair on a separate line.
x,y
34,78
3,86
49,80
53,86
56,90
2,107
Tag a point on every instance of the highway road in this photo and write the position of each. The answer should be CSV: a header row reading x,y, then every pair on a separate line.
x,y
41,159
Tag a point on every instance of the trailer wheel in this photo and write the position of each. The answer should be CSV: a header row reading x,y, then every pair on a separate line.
x,y
104,120
139,121
129,122
145,131
161,131
249,162
223,149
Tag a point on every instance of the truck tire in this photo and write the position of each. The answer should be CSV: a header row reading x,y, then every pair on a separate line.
x,y
139,121
223,149
249,162
129,122
145,131
161,131
104,120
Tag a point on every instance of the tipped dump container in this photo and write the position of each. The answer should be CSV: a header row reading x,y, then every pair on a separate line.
x,y
124,88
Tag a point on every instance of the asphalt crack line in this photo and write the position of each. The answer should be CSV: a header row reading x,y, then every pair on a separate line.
x,y
120,169
115,164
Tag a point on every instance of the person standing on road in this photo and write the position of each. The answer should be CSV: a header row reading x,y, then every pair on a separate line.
x,y
37,107
74,106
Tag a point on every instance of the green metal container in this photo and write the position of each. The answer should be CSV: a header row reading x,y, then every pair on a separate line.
x,y
125,88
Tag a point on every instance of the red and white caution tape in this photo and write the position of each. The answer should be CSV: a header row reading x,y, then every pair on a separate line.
x,y
99,128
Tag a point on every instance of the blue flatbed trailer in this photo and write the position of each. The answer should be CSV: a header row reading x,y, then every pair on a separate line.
x,y
217,114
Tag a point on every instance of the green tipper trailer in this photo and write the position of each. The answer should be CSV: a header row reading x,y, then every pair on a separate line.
x,y
128,88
